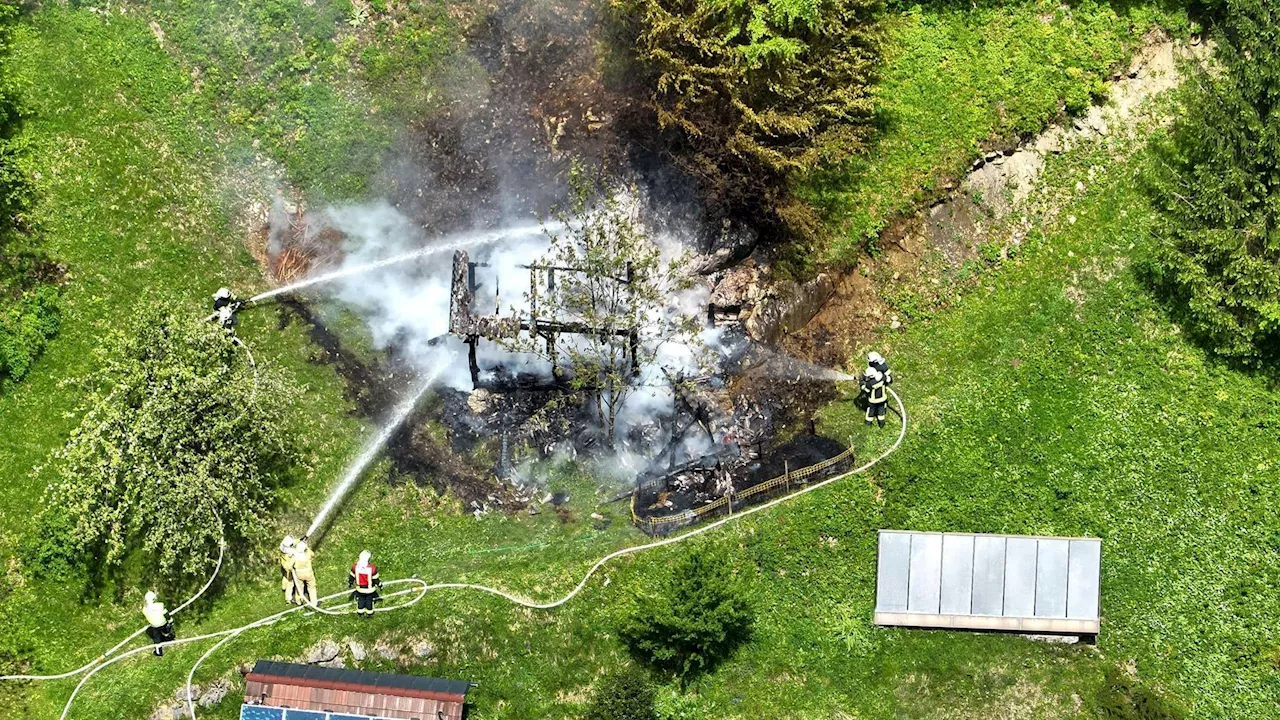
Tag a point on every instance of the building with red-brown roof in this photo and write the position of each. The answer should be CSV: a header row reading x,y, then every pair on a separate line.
x,y
290,691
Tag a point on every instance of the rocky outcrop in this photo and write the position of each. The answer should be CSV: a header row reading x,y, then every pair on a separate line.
x,y
787,307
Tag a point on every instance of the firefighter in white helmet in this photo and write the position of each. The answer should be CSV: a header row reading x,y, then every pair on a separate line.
x,y
303,577
225,307
365,583
877,361
287,583
873,385
159,627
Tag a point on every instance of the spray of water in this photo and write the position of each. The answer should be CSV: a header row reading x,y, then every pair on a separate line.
x,y
370,450
448,245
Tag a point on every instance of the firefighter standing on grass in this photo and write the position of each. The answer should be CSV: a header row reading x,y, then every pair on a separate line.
x,y
366,583
287,583
159,627
304,579
873,384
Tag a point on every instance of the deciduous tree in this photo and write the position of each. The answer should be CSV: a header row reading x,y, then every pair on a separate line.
x,y
180,442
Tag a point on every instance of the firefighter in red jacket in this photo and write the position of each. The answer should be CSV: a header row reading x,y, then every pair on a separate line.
x,y
366,583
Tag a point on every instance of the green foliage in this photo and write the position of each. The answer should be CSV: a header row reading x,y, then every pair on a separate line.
x,y
619,282
1219,255
674,705
958,76
697,619
320,86
25,328
626,694
1123,698
758,89
180,442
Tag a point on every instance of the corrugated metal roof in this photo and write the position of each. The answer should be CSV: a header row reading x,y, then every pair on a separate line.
x,y
989,582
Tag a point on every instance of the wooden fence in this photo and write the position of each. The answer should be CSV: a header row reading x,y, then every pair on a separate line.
x,y
787,480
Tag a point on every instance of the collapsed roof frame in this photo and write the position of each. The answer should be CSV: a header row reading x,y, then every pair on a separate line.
x,y
471,327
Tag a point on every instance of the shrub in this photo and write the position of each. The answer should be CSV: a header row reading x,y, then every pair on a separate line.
x,y
697,620
25,329
623,695
180,441
1218,255
755,89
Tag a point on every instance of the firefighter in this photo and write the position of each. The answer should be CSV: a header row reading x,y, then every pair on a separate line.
x,y
304,579
225,307
287,582
873,385
159,627
877,361
366,583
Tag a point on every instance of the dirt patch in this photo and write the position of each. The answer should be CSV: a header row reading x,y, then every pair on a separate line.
x,y
503,145
922,254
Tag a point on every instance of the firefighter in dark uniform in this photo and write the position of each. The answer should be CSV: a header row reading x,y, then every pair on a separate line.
x,y
873,384
159,626
225,307
877,361
366,583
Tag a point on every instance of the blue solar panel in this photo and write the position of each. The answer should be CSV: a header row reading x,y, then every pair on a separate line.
x,y
260,712
305,715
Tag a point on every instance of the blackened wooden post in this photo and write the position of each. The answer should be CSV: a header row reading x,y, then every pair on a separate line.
x,y
786,472
471,359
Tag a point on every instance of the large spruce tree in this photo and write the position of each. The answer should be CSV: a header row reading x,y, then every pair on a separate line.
x,y
1219,188
754,89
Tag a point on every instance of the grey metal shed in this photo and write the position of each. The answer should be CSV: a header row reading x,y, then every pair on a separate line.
x,y
966,581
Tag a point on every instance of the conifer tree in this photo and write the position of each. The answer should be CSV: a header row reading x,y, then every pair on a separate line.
x,y
1218,185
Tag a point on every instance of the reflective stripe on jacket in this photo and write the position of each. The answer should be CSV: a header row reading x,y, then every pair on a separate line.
x,y
874,390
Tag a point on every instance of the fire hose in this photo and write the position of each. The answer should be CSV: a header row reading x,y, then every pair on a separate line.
x,y
422,588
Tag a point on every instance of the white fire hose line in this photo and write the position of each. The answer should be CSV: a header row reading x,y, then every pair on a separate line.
x,y
422,588
222,550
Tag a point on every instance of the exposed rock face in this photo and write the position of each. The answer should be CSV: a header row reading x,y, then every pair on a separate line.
x,y
322,652
358,653
731,245
986,201
788,308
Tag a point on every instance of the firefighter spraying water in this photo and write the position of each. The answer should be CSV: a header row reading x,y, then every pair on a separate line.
x,y
159,626
875,382
304,578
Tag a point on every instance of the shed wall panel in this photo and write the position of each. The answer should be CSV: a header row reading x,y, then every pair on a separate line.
x,y
891,575
988,575
925,586
957,574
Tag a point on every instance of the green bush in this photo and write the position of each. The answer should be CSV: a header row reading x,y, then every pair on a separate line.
x,y
1218,251
180,442
25,329
756,89
697,620
623,695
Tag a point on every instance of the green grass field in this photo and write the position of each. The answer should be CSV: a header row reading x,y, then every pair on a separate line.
x,y
959,79
1056,397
